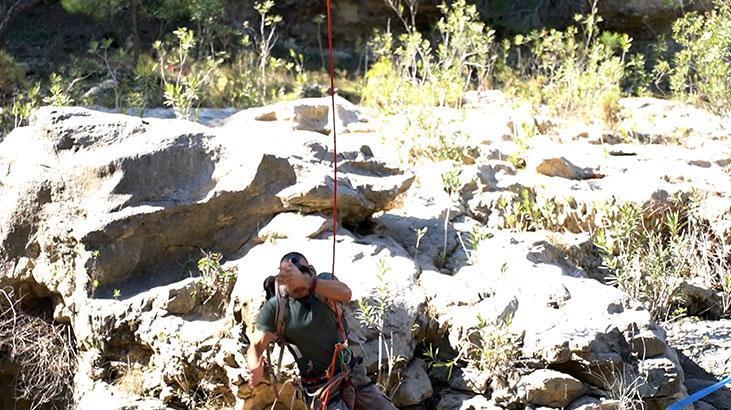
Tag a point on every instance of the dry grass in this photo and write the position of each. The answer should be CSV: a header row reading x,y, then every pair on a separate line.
x,y
622,385
42,350
131,380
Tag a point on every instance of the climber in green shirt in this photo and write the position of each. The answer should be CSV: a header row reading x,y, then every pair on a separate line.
x,y
310,328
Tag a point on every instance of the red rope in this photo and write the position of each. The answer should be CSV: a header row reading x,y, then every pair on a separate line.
x,y
335,138
335,154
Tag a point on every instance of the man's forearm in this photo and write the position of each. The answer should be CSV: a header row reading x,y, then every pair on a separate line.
x,y
333,290
252,356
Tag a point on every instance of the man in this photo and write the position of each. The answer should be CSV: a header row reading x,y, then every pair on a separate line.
x,y
311,326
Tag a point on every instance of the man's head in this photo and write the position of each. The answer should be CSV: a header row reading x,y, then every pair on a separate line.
x,y
297,260
294,264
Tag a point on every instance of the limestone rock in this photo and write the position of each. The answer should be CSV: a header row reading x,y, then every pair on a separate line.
x,y
470,380
550,388
309,114
561,167
704,348
415,386
460,401
700,300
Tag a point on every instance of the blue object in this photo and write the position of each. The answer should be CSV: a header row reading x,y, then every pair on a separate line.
x,y
699,395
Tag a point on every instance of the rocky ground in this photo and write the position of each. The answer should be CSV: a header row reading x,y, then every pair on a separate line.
x,y
103,217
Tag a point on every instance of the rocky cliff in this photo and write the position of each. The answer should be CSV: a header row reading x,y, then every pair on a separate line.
x,y
104,216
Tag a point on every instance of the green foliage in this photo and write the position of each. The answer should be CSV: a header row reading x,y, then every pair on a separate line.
x,y
576,72
526,214
112,64
24,104
217,281
472,245
467,46
409,71
489,347
495,350
432,359
59,92
701,71
451,182
12,76
648,252
372,312
183,79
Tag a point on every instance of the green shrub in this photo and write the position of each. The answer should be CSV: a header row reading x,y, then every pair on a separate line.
x,y
577,72
409,71
183,77
217,282
12,76
701,71
648,252
526,214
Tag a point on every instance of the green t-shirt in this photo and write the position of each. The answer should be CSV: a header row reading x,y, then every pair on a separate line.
x,y
311,326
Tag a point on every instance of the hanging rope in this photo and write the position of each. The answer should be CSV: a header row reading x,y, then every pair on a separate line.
x,y
335,136
338,312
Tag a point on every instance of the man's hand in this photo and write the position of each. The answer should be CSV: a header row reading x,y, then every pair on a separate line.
x,y
255,355
291,276
256,374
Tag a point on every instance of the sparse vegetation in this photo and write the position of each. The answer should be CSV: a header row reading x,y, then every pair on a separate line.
x,y
217,281
488,347
372,313
700,72
648,252
42,351
576,72
526,214
472,244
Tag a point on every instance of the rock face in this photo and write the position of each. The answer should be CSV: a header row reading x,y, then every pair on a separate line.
x,y
104,216
704,348
107,214
550,388
589,332
416,386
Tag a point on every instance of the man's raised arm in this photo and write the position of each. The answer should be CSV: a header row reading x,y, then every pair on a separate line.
x,y
330,289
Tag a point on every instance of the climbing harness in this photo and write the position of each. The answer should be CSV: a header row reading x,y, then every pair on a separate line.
x,y
337,375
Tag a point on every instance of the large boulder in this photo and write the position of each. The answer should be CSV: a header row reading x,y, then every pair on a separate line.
x,y
550,388
109,201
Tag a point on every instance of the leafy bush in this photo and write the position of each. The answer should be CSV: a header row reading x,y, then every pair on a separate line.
x,y
409,71
526,214
217,282
489,347
576,72
649,251
701,71
183,78
12,76
372,313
